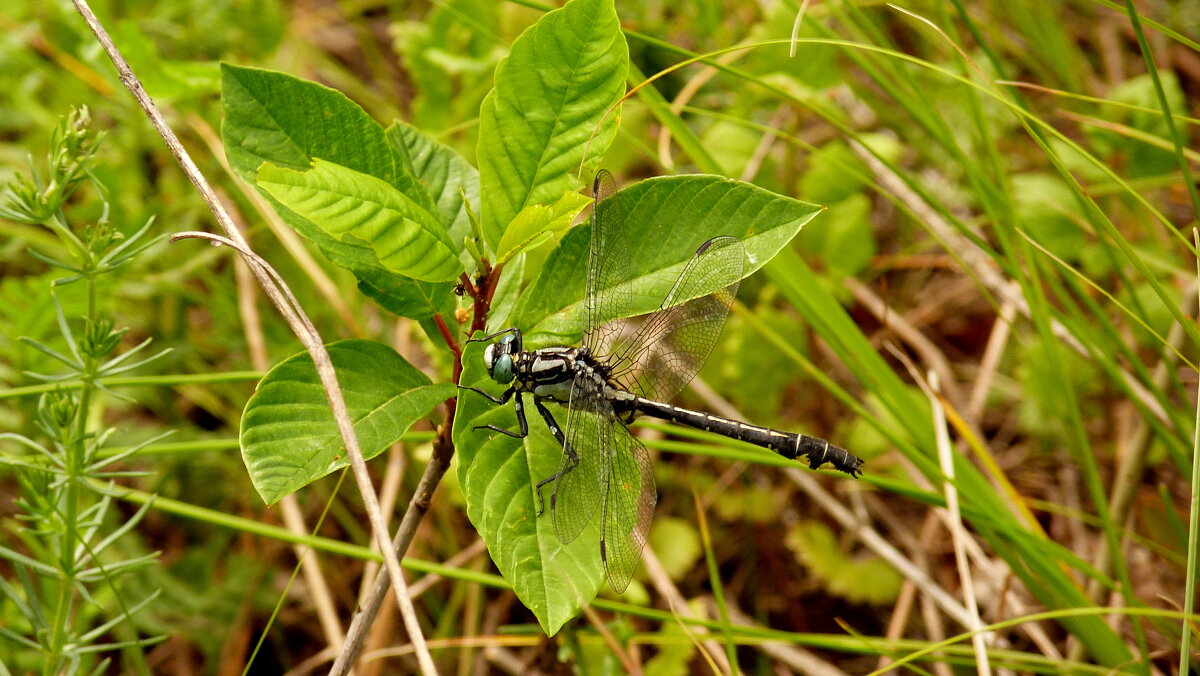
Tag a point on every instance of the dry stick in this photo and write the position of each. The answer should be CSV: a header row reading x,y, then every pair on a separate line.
x,y
865,533
281,297
870,537
310,665
512,640
1128,477
807,481
970,549
318,588
1130,467
898,622
689,89
439,461
912,336
997,342
934,630
292,242
492,652
293,516
623,657
954,520
506,661
417,506
389,494
769,137
459,560
952,516
383,629
289,307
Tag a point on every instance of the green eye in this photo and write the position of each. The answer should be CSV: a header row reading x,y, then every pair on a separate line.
x,y
502,370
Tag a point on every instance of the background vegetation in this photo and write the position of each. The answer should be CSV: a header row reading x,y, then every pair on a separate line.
x,y
1009,213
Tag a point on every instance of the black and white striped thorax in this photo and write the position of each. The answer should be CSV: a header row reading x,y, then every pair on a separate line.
x,y
549,374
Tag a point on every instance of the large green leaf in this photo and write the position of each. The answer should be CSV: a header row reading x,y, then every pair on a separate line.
x,y
277,118
406,238
552,92
665,219
498,474
288,435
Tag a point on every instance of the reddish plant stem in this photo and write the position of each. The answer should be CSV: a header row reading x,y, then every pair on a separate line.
x,y
488,281
468,286
447,336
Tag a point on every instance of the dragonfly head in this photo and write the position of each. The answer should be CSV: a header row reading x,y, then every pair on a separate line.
x,y
498,357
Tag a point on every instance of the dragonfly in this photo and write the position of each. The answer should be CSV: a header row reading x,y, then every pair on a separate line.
x,y
628,367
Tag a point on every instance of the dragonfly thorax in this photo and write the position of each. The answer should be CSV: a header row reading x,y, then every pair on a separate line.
x,y
548,373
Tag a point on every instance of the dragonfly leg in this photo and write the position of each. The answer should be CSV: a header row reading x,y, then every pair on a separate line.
x,y
484,339
519,407
572,456
495,400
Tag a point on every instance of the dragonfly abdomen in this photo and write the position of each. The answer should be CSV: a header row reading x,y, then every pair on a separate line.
x,y
787,444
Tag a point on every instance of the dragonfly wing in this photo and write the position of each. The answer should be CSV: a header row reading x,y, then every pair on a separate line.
x,y
577,488
672,343
606,295
628,498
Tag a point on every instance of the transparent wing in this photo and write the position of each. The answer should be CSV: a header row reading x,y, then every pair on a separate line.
x,y
608,266
628,496
667,349
577,488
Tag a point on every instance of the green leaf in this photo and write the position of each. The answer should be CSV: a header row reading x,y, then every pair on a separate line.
x,y
552,92
731,145
834,173
677,544
674,657
845,243
442,172
861,580
750,505
167,80
751,370
277,118
507,289
1048,211
1143,159
406,238
288,434
497,475
666,219
407,297
537,223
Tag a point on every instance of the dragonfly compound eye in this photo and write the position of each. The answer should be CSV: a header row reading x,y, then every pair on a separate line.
x,y
502,369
